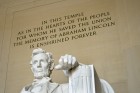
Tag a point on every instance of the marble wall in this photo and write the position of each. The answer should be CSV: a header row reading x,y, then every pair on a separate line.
x,y
100,32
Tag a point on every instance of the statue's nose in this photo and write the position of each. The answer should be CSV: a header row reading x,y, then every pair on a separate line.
x,y
39,64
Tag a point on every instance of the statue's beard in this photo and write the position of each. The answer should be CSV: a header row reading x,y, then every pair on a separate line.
x,y
39,75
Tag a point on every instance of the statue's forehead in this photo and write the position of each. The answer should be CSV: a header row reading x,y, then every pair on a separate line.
x,y
39,56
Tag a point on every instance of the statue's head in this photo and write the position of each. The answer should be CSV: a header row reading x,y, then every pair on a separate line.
x,y
42,63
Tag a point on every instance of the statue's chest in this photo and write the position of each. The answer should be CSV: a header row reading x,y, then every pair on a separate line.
x,y
39,89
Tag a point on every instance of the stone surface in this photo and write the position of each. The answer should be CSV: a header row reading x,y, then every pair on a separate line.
x,y
112,53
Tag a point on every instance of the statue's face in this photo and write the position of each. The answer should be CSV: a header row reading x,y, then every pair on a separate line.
x,y
40,65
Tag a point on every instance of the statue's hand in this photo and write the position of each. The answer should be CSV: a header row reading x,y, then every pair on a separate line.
x,y
67,62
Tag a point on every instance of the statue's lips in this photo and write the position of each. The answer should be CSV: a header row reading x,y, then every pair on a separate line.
x,y
39,70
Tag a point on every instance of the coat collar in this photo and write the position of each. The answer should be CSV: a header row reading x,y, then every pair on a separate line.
x,y
50,87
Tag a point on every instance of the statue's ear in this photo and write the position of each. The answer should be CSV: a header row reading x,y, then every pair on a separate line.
x,y
32,69
52,66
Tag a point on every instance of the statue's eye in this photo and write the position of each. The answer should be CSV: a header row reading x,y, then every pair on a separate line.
x,y
43,61
34,62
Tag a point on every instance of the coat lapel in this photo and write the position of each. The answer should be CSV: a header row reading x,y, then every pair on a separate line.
x,y
52,87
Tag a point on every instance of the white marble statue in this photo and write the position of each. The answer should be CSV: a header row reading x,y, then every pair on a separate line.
x,y
82,78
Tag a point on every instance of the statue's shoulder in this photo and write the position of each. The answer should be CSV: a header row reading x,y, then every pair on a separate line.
x,y
26,88
106,87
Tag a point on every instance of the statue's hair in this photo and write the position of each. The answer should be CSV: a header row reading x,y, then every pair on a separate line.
x,y
48,55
